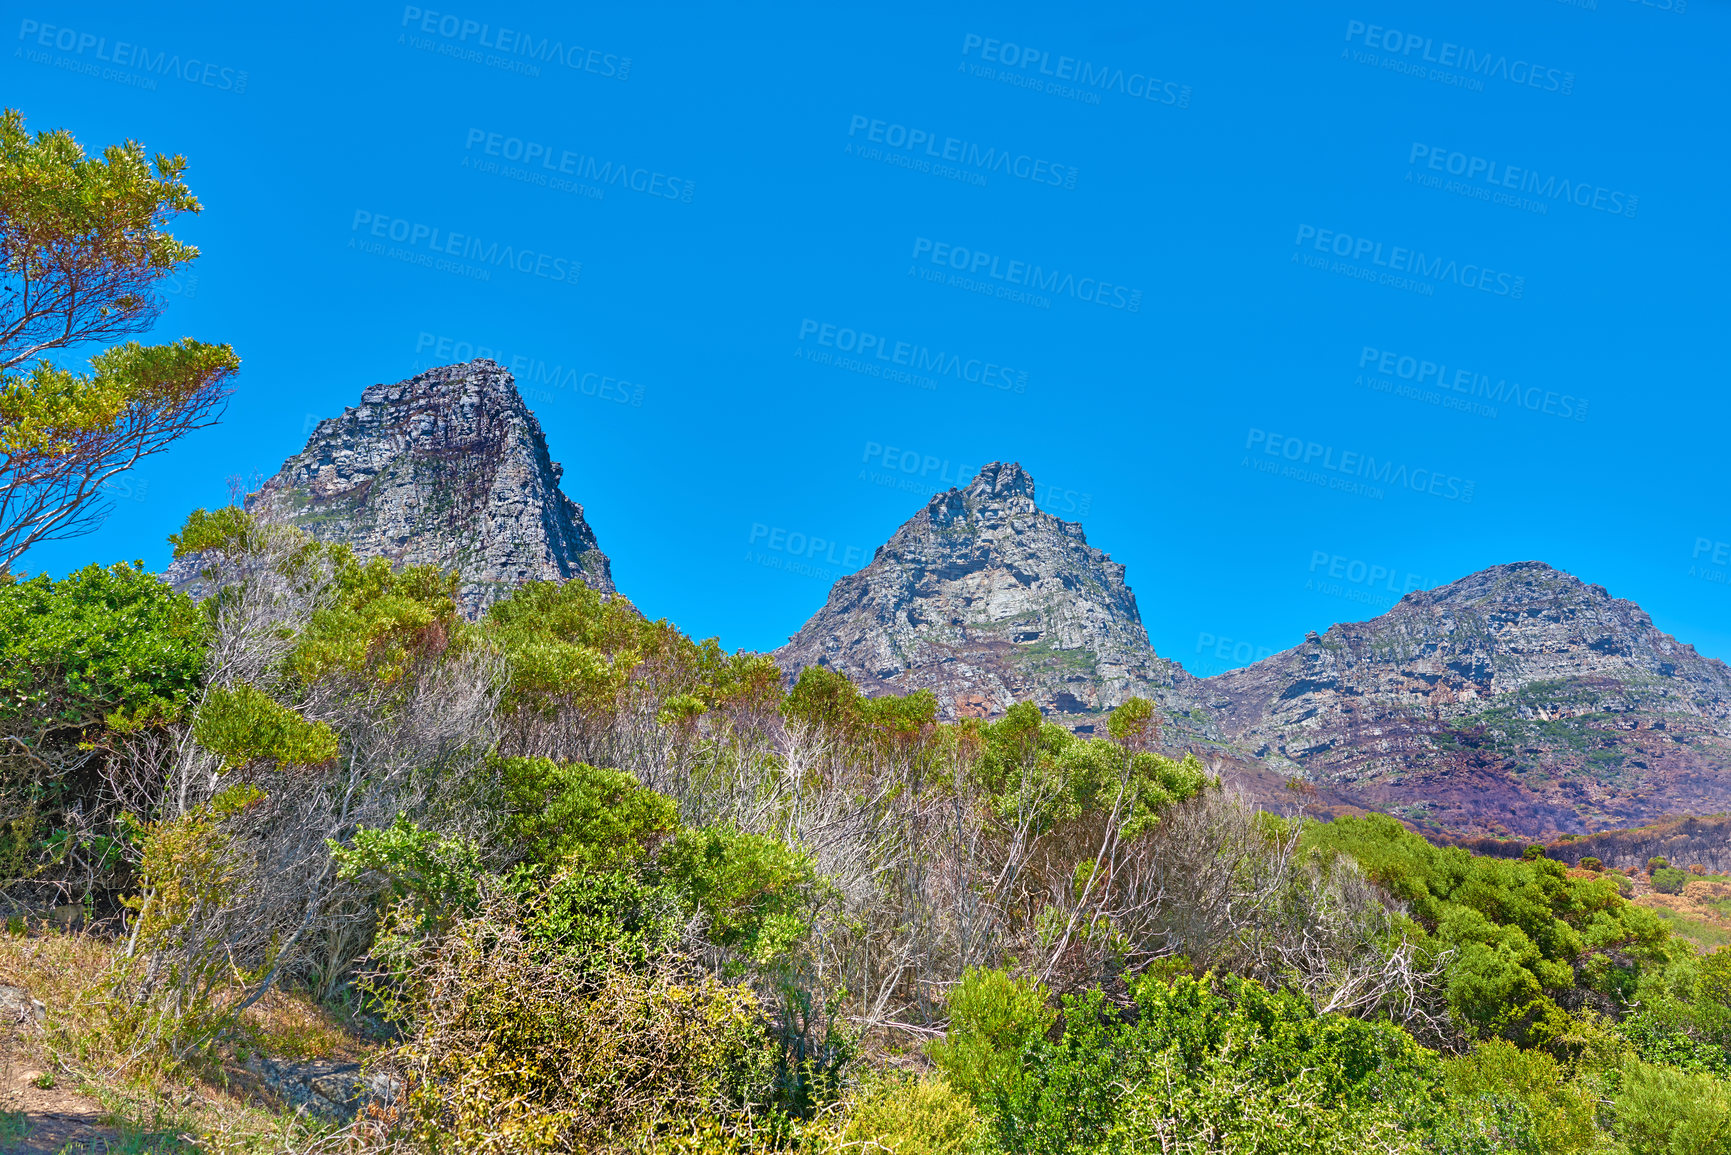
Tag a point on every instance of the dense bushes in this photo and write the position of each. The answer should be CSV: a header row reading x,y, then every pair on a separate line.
x,y
1519,935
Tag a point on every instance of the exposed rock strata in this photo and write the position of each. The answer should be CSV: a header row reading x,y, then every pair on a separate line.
x,y
986,600
1516,701
448,468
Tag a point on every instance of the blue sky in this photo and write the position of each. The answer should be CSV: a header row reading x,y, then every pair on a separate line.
x,y
1292,306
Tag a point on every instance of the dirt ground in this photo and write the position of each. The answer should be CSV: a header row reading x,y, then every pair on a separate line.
x,y
56,1119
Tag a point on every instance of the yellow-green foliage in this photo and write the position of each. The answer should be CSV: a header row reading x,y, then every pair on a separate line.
x,y
567,647
992,1018
1042,774
1562,1113
169,992
517,1053
382,622
243,724
914,1117
1664,1111
574,814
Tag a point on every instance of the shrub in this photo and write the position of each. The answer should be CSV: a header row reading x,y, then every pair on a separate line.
x,y
1591,863
993,1019
1669,880
1664,1111
758,894
1204,1065
914,1117
1698,870
1656,863
515,1051
1555,1115
573,814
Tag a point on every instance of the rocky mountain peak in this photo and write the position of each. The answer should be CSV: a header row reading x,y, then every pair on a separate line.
x,y
1518,700
986,600
448,468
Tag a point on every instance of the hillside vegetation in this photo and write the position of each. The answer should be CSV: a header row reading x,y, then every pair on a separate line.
x,y
569,880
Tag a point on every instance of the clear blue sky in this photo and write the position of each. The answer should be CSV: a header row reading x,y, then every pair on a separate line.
x,y
1264,289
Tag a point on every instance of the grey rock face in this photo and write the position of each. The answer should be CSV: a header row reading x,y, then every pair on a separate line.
x,y
986,600
448,468
1516,701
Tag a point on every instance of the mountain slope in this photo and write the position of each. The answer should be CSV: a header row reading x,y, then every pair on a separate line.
x,y
448,468
986,600
1515,701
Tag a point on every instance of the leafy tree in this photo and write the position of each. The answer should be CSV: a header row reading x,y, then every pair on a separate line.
x,y
84,662
1669,880
83,243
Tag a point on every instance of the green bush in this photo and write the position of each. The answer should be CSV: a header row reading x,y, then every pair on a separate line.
x,y
1664,1111
1500,1084
1195,1065
84,661
758,894
1591,863
1517,927
573,814
1669,880
1656,863
993,1019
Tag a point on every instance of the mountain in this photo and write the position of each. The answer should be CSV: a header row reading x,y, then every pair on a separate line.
x,y
1517,701
986,600
449,468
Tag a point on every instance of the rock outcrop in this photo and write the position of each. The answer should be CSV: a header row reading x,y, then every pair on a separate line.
x,y
1517,701
448,468
986,600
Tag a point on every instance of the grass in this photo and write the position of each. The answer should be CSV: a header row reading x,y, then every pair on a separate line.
x,y
1703,934
160,1108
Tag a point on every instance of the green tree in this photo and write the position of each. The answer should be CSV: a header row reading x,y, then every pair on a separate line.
x,y
83,244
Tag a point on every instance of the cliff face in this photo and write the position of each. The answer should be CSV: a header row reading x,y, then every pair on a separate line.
x,y
1515,701
986,600
447,468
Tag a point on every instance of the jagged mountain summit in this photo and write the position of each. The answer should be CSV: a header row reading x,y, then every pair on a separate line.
x,y
1518,700
447,468
986,600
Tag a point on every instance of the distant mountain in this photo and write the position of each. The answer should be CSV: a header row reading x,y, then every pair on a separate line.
x,y
986,600
1516,701
449,468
